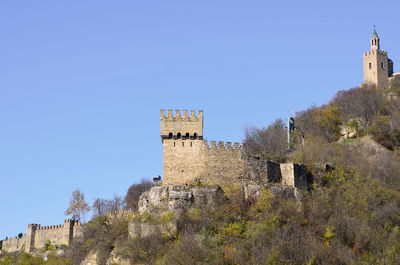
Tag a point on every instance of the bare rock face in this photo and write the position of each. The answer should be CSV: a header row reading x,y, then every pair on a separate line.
x,y
139,229
160,207
115,259
285,192
153,199
91,259
252,191
178,197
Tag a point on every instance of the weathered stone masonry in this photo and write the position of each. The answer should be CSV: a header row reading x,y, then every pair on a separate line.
x,y
187,159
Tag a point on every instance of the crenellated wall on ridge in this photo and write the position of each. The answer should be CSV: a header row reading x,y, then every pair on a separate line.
x,y
191,161
37,236
215,163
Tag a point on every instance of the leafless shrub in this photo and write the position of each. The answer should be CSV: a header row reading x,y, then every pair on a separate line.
x,y
359,103
267,143
134,191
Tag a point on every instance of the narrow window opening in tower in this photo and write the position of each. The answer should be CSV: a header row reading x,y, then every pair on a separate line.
x,y
195,136
383,68
174,144
170,135
191,144
183,143
179,136
187,136
370,65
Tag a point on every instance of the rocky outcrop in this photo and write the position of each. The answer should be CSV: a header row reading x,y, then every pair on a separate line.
x,y
141,229
178,197
160,207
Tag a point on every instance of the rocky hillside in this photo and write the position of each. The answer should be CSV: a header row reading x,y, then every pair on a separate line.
x,y
349,214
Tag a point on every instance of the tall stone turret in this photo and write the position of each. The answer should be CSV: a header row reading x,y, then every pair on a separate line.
x,y
30,237
377,66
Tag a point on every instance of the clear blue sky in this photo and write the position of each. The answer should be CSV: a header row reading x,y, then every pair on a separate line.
x,y
82,83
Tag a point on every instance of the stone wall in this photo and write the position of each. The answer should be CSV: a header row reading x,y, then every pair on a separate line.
x,y
189,162
294,175
37,236
13,244
57,234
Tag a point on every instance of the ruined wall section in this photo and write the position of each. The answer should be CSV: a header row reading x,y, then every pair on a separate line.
x,y
294,175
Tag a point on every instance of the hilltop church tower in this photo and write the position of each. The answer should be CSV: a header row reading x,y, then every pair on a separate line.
x,y
377,66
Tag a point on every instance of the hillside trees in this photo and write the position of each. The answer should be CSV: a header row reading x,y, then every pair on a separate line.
x,y
267,143
359,103
101,207
132,196
323,122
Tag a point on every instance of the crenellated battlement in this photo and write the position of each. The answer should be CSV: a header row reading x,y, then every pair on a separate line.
x,y
380,52
188,161
213,145
207,145
181,125
37,236
184,117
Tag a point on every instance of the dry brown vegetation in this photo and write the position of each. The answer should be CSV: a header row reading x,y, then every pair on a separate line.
x,y
350,216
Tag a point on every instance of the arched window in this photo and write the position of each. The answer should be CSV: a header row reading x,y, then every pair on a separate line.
x,y
187,136
178,136
195,136
370,65
170,135
382,66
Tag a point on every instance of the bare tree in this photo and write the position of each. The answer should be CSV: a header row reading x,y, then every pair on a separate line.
x,y
134,191
267,143
100,207
362,103
116,204
78,207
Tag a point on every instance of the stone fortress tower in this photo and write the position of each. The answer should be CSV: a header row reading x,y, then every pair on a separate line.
x,y
378,68
190,160
187,158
